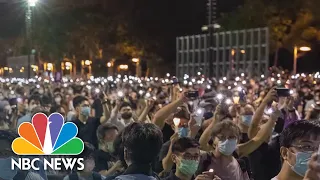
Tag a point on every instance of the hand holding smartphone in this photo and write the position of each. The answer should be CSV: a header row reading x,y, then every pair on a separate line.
x,y
283,92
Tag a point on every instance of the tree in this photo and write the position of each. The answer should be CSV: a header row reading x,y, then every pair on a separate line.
x,y
291,22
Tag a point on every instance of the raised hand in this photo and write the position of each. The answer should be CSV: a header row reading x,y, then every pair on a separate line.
x,y
271,96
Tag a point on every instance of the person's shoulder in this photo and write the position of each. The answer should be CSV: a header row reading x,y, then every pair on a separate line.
x,y
275,178
33,176
135,177
93,120
66,178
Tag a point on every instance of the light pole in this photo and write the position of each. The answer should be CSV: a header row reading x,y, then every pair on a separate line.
x,y
137,62
212,18
295,56
30,6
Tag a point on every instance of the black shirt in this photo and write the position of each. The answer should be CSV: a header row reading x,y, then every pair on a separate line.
x,y
102,160
163,153
167,132
87,132
97,106
265,161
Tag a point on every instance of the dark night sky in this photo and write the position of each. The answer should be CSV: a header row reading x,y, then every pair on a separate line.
x,y
12,14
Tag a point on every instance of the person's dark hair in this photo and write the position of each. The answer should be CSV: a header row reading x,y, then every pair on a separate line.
x,y
45,100
57,90
317,91
142,142
182,144
103,128
78,100
77,89
35,98
298,130
6,139
315,114
55,109
182,113
224,125
124,104
39,109
88,151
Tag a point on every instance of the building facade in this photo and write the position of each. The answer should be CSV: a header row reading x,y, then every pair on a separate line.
x,y
233,52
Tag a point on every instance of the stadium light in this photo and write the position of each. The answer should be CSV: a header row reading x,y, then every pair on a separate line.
x,y
32,3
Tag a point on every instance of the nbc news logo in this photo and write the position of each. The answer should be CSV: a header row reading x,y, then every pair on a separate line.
x,y
47,136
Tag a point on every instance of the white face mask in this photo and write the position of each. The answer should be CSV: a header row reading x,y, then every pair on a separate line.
x,y
41,91
57,100
70,91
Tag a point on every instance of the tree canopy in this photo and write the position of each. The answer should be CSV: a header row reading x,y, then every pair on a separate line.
x,y
291,22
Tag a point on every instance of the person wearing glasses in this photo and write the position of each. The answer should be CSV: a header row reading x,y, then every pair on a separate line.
x,y
298,142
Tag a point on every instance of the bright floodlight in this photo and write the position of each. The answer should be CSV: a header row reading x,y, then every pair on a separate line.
x,y
120,94
305,48
199,111
228,101
32,3
220,96
176,121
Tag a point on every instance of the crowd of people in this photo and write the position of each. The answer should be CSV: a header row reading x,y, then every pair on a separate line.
x,y
235,128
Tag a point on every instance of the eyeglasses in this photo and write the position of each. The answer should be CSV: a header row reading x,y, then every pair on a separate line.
x,y
190,157
305,148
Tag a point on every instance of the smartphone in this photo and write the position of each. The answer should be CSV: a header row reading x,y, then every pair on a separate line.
x,y
242,97
192,94
283,92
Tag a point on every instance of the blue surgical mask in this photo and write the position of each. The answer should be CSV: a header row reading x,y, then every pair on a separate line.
x,y
183,132
5,169
301,166
228,146
246,119
85,111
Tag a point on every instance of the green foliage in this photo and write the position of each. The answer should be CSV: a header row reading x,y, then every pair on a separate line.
x,y
293,22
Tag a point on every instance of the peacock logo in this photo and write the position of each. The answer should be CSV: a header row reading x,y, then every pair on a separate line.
x,y
47,136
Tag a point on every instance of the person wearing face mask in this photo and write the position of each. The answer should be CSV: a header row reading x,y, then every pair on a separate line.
x,y
298,142
104,157
123,110
89,164
87,125
221,157
57,99
41,91
186,156
187,127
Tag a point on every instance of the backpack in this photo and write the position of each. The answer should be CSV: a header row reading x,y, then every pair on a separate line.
x,y
74,176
